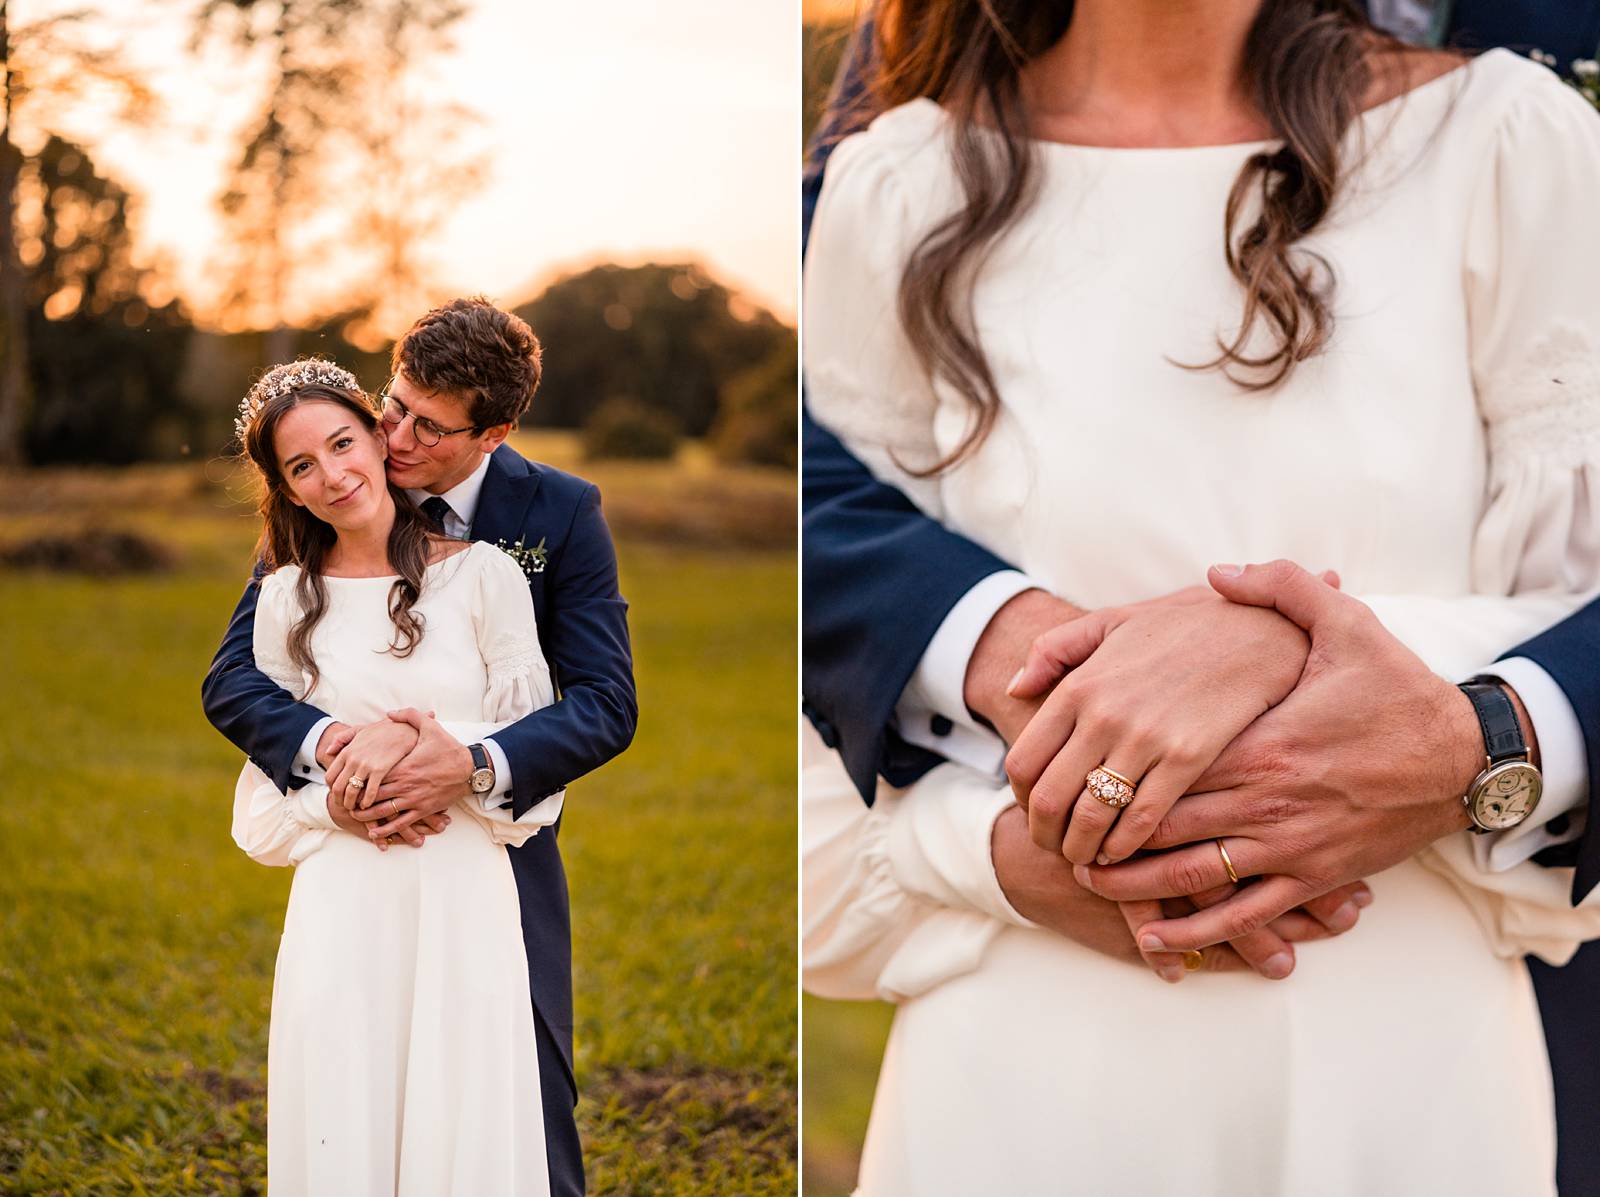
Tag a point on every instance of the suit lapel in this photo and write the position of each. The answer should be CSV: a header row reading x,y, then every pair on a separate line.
x,y
508,491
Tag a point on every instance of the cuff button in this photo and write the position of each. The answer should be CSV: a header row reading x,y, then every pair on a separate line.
x,y
940,725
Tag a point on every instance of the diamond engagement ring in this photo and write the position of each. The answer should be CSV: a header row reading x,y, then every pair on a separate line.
x,y
1109,787
356,783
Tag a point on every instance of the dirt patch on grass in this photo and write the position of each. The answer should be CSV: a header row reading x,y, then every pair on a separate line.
x,y
711,1117
102,552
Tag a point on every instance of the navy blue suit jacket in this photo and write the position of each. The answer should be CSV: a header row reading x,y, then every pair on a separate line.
x,y
583,628
879,577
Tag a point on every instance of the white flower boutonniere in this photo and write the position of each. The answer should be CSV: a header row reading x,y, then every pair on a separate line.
x,y
532,559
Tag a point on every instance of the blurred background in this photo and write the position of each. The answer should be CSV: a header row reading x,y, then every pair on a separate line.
x,y
191,190
842,1042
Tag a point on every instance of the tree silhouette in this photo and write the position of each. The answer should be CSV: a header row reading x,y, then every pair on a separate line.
x,y
667,336
49,67
325,208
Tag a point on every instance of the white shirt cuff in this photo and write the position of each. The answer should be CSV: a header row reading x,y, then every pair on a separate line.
x,y
305,761
502,776
932,711
1561,761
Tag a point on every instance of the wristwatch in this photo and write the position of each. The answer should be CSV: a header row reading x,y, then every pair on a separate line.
x,y
482,779
1508,789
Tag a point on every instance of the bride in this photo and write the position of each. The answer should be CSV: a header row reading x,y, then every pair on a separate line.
x,y
1120,290
402,1056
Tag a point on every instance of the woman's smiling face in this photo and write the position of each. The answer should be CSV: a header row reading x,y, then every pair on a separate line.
x,y
331,464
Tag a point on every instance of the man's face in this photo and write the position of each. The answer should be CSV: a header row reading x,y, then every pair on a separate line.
x,y
414,465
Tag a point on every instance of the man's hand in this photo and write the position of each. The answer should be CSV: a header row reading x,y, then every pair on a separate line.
x,y
1000,653
1155,692
1362,766
413,835
332,741
1040,886
431,778
359,769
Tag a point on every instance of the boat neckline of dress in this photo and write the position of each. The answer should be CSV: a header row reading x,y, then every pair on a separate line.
x,y
1454,73
395,577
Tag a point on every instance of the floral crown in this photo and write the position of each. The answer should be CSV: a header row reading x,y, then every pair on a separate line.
x,y
287,377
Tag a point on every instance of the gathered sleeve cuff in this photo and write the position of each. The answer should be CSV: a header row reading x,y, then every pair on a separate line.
x,y
275,828
518,683
901,896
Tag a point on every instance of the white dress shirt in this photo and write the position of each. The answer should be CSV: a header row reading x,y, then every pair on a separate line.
x,y
463,501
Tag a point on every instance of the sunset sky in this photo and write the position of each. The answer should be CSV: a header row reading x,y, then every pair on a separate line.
x,y
628,131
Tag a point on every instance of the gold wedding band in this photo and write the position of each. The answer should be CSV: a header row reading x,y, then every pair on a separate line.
x,y
1227,862
394,812
357,782
1109,786
1193,960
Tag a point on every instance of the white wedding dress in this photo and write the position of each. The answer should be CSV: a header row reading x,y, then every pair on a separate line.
x,y
402,1057
1442,454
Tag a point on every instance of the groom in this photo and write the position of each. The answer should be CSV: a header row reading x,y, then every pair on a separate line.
x,y
950,623
464,374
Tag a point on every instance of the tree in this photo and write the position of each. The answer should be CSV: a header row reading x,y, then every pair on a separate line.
x,y
49,67
105,370
667,336
325,208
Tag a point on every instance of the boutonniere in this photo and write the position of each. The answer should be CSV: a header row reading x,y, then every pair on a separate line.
x,y
533,560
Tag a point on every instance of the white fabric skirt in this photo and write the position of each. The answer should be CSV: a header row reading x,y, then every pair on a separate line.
x,y
402,1057
1403,1058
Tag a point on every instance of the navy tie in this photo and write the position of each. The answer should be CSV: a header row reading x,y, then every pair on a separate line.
x,y
435,509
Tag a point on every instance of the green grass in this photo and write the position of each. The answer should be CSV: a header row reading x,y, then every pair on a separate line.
x,y
843,1046
137,943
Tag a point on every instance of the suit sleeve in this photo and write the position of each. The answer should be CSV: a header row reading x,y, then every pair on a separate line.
x,y
879,577
586,641
253,712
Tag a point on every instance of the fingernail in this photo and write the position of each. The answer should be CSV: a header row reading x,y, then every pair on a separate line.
x,y
1279,966
1344,918
1151,943
1102,859
1229,570
1011,686
1362,897
1170,973
1080,874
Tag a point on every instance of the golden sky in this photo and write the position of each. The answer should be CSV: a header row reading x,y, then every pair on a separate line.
x,y
626,131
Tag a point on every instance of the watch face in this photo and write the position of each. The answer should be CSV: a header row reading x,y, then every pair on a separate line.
x,y
482,781
1506,795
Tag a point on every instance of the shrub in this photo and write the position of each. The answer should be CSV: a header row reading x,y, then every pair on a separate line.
x,y
759,422
628,428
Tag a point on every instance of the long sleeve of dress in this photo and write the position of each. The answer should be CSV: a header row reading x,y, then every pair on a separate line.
x,y
1533,245
273,827
899,896
518,684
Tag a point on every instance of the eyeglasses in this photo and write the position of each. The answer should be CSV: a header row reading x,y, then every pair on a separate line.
x,y
424,429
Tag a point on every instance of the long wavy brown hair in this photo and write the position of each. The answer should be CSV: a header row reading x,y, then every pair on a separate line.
x,y
1308,68
291,535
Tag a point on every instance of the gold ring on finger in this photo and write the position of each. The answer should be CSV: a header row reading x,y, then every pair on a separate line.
x,y
1227,862
394,808
1109,787
1193,960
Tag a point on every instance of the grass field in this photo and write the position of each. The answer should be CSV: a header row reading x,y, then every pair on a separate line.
x,y
137,943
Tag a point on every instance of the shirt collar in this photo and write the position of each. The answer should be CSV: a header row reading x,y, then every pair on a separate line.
x,y
463,496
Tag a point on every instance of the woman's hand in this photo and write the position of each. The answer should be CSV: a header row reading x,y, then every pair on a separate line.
x,y
371,753
1041,887
1155,692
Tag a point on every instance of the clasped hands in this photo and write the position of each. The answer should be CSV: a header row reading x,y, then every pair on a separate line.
x,y
394,780
1267,711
